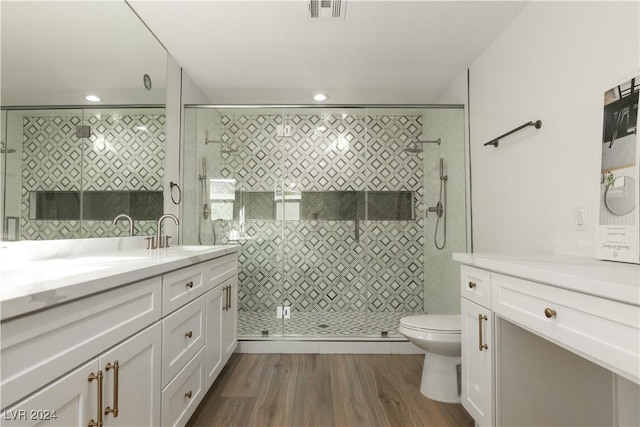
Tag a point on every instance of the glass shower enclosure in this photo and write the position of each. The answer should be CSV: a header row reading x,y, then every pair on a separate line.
x,y
331,207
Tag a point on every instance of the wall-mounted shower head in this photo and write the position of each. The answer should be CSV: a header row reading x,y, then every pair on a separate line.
x,y
416,146
4,149
224,149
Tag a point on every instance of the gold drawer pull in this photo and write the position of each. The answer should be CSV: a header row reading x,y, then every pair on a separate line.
x,y
116,369
190,284
98,377
188,394
550,312
188,334
472,285
481,346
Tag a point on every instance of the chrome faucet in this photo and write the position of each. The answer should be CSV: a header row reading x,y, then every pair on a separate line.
x,y
128,218
163,241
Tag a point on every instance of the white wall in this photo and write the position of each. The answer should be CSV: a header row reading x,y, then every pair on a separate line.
x,y
553,63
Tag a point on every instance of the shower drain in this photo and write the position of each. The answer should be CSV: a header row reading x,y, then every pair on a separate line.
x,y
323,326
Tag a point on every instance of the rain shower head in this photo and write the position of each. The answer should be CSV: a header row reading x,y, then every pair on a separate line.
x,y
224,149
4,149
416,146
413,149
228,150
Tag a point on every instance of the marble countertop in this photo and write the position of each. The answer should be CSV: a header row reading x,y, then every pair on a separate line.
x,y
28,284
606,279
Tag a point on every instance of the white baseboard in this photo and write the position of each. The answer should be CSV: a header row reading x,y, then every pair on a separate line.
x,y
328,347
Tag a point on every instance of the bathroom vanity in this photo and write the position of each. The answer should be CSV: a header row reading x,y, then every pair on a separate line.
x,y
550,340
123,337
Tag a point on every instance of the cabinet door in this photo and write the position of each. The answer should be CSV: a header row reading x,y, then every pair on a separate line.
x,y
229,317
70,401
138,380
213,331
477,362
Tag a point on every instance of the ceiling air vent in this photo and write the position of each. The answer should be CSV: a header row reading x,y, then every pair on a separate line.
x,y
327,9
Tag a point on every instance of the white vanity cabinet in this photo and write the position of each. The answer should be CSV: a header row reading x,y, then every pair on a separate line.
x,y
193,334
477,345
38,348
69,401
134,354
562,337
213,355
229,332
117,388
131,378
221,315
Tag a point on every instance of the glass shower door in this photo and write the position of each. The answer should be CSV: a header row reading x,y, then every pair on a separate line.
x,y
250,153
395,220
323,193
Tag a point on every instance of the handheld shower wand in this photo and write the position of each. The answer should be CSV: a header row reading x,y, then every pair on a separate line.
x,y
439,208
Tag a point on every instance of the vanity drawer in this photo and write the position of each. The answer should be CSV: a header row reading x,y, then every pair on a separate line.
x,y
603,331
182,337
181,397
182,286
38,348
220,269
475,285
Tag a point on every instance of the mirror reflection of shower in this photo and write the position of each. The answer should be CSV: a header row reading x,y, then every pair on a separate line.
x,y
206,210
415,147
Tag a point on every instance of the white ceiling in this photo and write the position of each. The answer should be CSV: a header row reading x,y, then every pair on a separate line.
x,y
270,52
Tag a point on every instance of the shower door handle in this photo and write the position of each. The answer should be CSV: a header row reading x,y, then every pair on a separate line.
x,y
357,231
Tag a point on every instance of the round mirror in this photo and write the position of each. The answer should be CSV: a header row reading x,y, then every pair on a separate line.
x,y
620,196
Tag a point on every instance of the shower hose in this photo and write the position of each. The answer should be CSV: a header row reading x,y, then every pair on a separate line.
x,y
443,192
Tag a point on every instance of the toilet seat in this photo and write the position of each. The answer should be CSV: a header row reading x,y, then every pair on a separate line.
x,y
439,323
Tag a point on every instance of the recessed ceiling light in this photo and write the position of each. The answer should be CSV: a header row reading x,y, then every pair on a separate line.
x,y
320,97
92,98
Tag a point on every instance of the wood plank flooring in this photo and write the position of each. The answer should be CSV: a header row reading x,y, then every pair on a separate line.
x,y
323,390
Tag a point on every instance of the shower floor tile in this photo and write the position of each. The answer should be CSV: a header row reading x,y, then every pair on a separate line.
x,y
321,324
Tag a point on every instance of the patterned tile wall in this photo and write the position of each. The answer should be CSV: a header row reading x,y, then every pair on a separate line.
x,y
124,152
319,266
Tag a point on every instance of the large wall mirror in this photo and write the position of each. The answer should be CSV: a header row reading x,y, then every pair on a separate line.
x,y
69,165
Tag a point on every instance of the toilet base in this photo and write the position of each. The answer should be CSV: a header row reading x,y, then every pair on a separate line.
x,y
440,378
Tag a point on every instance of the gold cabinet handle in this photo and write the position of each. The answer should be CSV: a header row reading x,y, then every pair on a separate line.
x,y
188,394
481,346
472,285
97,377
229,297
190,284
549,313
189,334
226,299
116,375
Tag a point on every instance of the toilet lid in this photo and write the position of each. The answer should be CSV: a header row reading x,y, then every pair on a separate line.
x,y
433,322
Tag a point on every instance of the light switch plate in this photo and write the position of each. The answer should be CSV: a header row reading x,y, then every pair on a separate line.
x,y
580,218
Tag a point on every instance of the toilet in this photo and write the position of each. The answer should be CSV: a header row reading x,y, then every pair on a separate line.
x,y
439,336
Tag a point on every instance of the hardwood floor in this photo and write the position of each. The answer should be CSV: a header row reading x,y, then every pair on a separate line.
x,y
323,390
